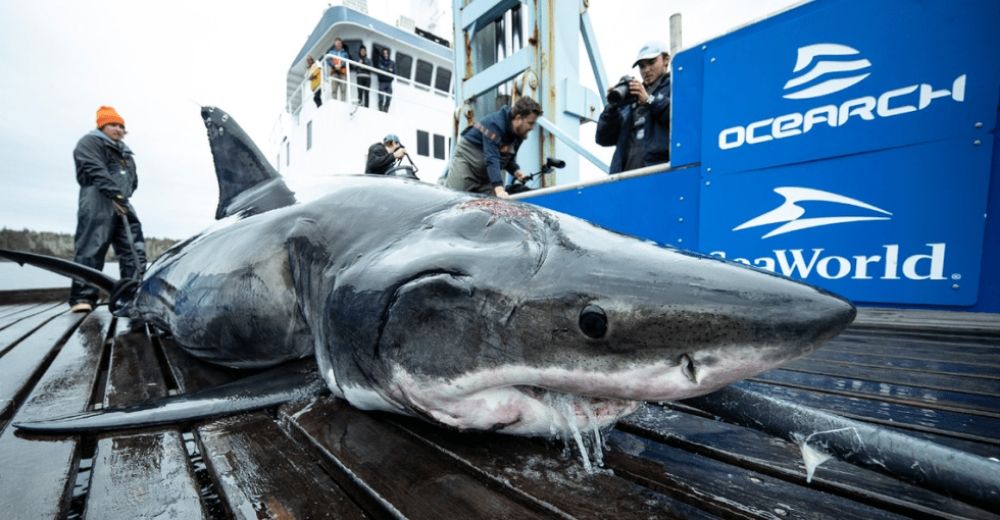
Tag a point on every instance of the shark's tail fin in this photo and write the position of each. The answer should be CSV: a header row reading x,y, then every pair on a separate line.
x,y
247,182
74,270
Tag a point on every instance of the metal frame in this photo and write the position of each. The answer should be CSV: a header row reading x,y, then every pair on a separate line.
x,y
546,68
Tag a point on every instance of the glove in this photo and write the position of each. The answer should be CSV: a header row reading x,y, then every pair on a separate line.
x,y
121,205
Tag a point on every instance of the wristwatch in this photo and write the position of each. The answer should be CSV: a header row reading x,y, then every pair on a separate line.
x,y
649,99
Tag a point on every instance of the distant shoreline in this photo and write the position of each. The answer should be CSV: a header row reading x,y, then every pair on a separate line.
x,y
60,245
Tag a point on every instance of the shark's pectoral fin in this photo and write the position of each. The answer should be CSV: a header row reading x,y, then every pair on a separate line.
x,y
288,382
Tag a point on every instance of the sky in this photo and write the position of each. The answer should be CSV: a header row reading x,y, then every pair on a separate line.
x,y
158,62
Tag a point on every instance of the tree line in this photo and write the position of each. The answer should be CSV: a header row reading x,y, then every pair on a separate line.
x,y
61,244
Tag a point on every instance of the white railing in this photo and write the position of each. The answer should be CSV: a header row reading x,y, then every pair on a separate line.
x,y
350,85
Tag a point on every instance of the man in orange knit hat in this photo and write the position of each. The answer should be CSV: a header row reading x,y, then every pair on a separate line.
x,y
105,170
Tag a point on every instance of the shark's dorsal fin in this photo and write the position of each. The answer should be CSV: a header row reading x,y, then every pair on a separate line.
x,y
247,182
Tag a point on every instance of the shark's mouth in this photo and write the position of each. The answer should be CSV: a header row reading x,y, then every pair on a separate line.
x,y
583,410
521,401
543,401
523,410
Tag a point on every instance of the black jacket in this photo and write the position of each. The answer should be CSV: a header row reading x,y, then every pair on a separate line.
x,y
387,65
106,165
379,160
615,122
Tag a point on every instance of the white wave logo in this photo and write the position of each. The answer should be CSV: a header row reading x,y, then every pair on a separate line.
x,y
791,213
815,54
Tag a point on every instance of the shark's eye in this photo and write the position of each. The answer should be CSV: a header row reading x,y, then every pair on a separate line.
x,y
593,321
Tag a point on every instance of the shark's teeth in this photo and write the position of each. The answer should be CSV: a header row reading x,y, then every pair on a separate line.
x,y
599,405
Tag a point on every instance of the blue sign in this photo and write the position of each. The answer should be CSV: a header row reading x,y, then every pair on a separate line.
x,y
661,207
904,225
844,77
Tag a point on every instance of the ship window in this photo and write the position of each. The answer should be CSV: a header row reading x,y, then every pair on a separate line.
x,y
424,72
443,80
404,65
438,146
352,47
423,143
309,135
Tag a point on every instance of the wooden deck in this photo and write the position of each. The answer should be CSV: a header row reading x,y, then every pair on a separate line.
x,y
917,373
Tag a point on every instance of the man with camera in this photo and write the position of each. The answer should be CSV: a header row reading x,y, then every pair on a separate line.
x,y
636,118
382,156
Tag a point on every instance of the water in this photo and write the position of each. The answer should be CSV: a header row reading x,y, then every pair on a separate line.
x,y
813,457
15,277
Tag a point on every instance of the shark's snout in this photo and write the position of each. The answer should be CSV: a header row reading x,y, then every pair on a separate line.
x,y
759,308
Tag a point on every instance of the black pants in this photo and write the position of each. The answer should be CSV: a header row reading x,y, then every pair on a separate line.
x,y
384,96
318,97
363,85
95,231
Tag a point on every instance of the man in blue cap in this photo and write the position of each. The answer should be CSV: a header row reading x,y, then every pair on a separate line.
x,y
638,124
383,155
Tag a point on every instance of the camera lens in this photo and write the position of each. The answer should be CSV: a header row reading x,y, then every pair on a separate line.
x,y
617,94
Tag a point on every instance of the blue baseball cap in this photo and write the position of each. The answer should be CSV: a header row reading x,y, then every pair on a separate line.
x,y
392,138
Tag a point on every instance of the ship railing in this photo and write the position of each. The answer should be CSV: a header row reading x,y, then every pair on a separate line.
x,y
327,78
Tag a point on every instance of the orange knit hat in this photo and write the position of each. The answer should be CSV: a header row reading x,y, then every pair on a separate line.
x,y
107,115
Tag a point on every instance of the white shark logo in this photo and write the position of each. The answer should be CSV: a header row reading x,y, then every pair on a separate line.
x,y
816,52
790,212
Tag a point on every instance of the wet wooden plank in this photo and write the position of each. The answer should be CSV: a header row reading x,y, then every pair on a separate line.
x,y
822,356
260,471
15,332
34,310
978,357
971,385
144,475
36,295
763,453
726,489
942,349
922,338
959,425
6,311
538,471
263,474
949,322
381,466
21,363
34,470
882,388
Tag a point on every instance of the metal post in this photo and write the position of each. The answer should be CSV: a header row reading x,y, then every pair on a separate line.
x,y
675,33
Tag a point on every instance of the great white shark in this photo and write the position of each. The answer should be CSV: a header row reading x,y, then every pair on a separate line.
x,y
475,313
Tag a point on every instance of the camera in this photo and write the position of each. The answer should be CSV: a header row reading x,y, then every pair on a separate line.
x,y
619,93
